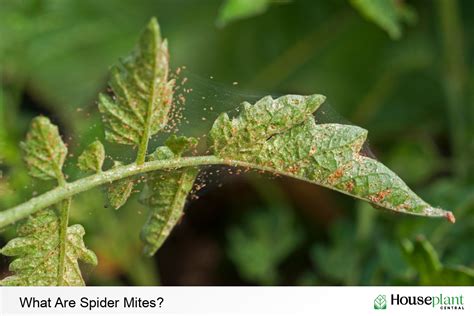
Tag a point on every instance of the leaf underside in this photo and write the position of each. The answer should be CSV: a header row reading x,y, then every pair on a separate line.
x,y
119,191
282,136
37,248
44,150
142,93
165,194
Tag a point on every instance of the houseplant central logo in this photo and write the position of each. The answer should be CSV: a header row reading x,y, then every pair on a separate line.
x,y
380,302
440,301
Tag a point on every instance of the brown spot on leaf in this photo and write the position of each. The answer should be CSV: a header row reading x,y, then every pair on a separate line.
x,y
293,169
349,186
333,177
376,198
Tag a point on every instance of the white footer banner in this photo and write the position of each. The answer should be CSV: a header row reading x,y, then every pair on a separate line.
x,y
238,300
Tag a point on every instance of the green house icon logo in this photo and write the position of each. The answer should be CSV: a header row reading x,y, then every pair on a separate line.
x,y
380,302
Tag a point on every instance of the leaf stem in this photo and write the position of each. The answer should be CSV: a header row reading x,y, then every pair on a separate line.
x,y
64,223
65,205
70,189
142,149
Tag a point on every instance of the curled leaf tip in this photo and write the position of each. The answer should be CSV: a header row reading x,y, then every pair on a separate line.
x,y
450,217
438,212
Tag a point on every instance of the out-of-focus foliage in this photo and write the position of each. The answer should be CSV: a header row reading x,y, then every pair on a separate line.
x,y
423,258
415,95
260,244
232,10
388,14
415,161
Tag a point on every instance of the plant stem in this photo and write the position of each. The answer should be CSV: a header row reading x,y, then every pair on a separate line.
x,y
64,223
143,147
455,82
70,189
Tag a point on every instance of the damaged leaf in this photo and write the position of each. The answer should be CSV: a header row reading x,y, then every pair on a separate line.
x,y
165,194
142,94
282,136
37,248
92,158
44,149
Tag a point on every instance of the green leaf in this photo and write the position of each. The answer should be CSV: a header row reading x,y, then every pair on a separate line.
x,y
92,158
119,191
44,150
179,144
252,245
142,93
37,249
282,136
387,14
232,10
338,261
423,258
415,161
165,194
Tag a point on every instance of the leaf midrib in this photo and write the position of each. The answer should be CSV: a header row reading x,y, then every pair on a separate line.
x,y
142,150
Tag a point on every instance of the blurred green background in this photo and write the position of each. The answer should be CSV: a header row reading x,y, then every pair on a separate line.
x,y
403,70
